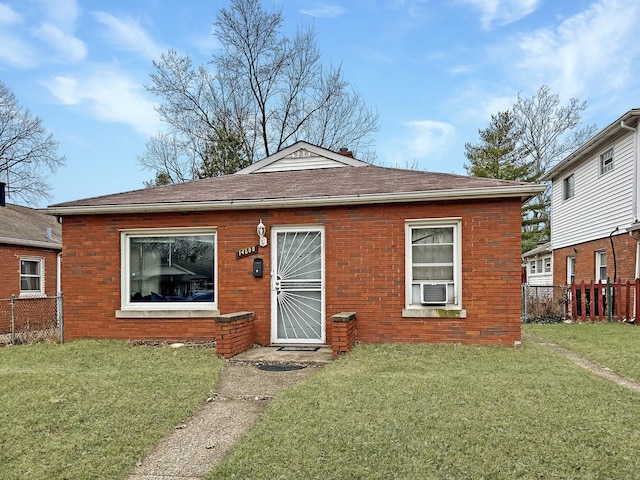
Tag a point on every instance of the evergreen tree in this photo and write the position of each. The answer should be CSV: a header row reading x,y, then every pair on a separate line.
x,y
522,144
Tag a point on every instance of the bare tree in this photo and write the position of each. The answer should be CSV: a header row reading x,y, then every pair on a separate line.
x,y
547,130
28,153
172,161
523,143
267,89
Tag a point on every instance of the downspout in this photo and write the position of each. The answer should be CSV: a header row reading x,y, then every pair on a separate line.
x,y
636,177
58,274
634,206
613,249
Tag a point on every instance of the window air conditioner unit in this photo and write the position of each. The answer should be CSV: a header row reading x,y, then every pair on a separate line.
x,y
434,293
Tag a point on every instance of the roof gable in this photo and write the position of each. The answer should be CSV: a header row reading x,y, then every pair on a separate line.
x,y
302,156
627,122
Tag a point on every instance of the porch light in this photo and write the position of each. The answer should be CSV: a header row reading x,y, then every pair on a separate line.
x,y
262,230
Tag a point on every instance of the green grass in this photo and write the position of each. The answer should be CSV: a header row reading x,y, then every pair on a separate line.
x,y
92,409
444,412
613,345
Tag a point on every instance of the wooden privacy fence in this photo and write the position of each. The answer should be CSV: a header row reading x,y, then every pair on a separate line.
x,y
605,301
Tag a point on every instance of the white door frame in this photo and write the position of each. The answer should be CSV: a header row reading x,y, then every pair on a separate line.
x,y
275,285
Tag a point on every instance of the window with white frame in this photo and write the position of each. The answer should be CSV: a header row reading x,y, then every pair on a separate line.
x,y
168,269
434,263
540,266
568,187
606,161
32,276
601,266
571,269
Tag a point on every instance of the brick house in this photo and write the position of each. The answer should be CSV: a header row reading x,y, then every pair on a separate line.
x,y
595,199
308,247
30,248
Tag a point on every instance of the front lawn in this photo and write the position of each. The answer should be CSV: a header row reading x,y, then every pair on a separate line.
x,y
92,409
613,345
444,412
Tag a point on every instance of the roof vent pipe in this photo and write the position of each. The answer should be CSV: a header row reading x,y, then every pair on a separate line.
x,y
3,200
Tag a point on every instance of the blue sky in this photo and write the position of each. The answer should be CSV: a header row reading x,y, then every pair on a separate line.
x,y
435,70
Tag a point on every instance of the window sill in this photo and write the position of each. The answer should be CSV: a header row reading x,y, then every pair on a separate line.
x,y
417,312
167,313
32,295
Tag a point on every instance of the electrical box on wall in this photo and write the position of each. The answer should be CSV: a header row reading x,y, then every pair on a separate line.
x,y
257,267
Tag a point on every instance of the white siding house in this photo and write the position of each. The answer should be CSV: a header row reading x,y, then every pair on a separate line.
x,y
594,205
538,263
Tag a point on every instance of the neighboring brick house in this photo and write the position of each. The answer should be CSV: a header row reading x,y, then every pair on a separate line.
x,y
30,246
595,199
302,240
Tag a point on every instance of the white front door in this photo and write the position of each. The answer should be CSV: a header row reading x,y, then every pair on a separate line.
x,y
297,285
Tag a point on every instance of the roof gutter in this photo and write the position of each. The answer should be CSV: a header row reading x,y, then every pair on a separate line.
x,y
523,191
30,243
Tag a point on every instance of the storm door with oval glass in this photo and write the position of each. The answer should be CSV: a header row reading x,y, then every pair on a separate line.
x,y
297,285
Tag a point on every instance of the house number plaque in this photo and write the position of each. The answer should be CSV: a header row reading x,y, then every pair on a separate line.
x,y
246,252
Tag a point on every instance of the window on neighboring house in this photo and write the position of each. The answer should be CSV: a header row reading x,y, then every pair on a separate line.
x,y
568,187
540,266
601,266
168,269
606,161
571,269
31,276
434,263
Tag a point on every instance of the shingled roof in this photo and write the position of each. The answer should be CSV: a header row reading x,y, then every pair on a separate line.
x,y
28,227
295,187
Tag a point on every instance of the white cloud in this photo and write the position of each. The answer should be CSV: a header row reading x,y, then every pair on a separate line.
x,y
62,13
70,47
205,42
461,69
16,52
585,52
427,137
8,16
108,96
492,105
126,34
52,22
326,10
502,12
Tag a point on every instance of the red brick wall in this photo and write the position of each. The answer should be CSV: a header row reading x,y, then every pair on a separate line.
x,y
585,253
10,276
365,271
344,332
10,268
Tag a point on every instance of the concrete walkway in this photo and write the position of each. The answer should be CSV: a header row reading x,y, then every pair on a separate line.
x,y
587,364
241,395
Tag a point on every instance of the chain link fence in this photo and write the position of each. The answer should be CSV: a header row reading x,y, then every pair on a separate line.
x,y
31,320
544,304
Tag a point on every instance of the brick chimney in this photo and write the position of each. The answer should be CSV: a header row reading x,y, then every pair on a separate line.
x,y
346,152
3,197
